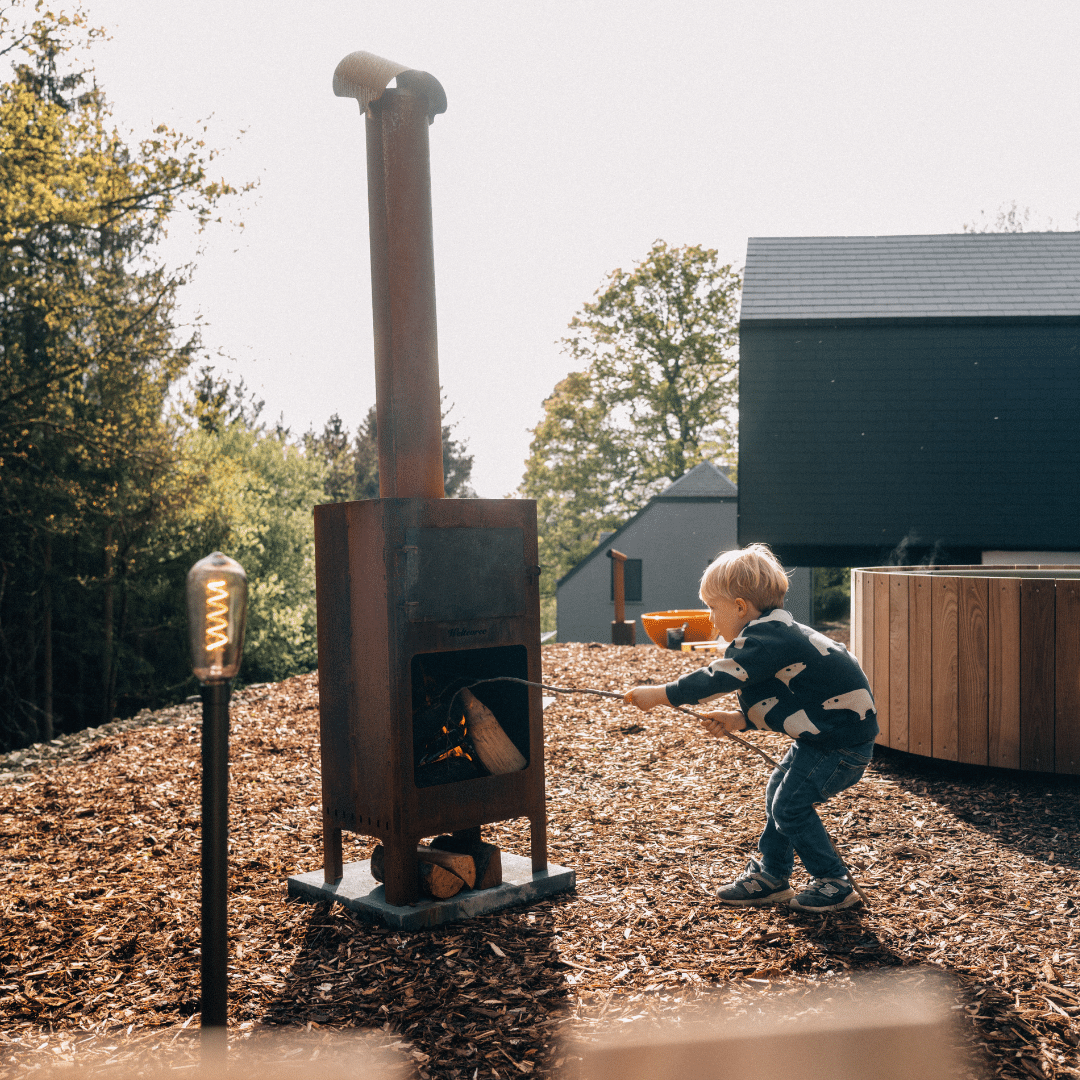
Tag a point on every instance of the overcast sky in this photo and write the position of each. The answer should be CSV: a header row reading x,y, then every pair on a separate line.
x,y
576,134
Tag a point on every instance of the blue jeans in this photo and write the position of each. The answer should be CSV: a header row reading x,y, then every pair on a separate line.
x,y
806,775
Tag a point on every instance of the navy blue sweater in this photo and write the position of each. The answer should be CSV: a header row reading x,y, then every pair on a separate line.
x,y
789,678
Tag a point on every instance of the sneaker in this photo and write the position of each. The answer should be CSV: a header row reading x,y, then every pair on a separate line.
x,y
826,894
754,888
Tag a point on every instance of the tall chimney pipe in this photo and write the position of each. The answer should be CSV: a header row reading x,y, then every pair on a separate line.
x,y
407,397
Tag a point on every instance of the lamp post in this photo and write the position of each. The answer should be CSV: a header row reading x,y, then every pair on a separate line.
x,y
217,607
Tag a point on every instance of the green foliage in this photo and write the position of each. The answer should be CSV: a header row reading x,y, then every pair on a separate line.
x,y
89,347
255,497
107,497
655,395
832,593
352,463
571,471
215,404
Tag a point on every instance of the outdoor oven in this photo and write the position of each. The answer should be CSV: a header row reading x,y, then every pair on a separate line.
x,y
416,599
419,596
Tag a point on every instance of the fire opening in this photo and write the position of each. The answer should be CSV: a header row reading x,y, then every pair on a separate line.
x,y
445,750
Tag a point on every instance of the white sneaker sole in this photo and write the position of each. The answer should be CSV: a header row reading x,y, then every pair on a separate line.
x,y
782,897
850,900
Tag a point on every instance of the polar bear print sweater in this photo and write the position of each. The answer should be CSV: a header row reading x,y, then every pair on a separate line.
x,y
789,678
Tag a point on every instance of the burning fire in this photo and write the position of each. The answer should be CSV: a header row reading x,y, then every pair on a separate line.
x,y
448,744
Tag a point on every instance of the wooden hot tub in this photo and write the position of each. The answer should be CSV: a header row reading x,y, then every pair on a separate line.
x,y
978,664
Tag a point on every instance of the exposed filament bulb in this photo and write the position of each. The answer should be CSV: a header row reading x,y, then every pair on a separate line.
x,y
217,615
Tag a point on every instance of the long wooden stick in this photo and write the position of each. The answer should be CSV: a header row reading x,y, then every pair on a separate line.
x,y
621,697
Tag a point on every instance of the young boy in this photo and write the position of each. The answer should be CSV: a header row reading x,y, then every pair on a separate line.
x,y
792,679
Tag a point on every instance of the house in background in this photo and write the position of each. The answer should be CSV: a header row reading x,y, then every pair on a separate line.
x,y
668,544
913,392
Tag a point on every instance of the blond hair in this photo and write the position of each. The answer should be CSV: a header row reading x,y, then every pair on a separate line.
x,y
752,573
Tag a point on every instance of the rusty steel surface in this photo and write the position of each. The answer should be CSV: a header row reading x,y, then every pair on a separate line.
x,y
407,394
418,595
618,571
388,581
364,76
622,632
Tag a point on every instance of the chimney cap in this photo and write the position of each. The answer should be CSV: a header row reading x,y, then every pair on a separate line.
x,y
364,76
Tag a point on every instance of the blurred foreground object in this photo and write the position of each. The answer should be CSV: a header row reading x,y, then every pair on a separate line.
x,y
873,1029
261,1055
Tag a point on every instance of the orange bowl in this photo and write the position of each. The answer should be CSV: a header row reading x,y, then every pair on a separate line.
x,y
658,623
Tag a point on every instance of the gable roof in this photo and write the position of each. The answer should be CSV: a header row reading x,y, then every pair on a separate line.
x,y
704,481
986,275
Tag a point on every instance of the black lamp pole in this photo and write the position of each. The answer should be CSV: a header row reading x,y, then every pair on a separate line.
x,y
215,852
217,603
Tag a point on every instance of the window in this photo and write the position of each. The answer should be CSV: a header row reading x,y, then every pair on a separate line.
x,y
631,580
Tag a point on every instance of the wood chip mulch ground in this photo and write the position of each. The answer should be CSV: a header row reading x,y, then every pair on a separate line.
x,y
973,873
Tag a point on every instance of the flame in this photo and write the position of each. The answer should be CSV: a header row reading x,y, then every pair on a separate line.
x,y
457,750
217,615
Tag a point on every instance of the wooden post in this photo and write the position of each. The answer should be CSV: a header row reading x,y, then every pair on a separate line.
x,y
911,1031
622,632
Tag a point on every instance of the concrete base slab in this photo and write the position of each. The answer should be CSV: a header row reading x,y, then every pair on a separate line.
x,y
360,892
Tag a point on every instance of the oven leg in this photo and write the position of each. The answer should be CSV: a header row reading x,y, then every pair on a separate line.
x,y
333,870
538,838
401,871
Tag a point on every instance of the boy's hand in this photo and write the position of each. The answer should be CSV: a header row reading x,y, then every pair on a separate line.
x,y
719,724
647,697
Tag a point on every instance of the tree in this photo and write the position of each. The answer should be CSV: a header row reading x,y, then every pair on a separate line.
x,y
89,346
352,465
254,493
571,473
1010,218
655,393
215,404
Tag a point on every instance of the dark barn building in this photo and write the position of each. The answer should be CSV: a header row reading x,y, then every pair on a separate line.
x,y
919,393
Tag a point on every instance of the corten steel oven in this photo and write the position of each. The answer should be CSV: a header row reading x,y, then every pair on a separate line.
x,y
418,595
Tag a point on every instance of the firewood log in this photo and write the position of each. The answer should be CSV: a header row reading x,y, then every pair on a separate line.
x,y
491,874
457,863
486,857
439,882
436,879
496,751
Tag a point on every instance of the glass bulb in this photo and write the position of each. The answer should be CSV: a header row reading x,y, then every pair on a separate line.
x,y
217,609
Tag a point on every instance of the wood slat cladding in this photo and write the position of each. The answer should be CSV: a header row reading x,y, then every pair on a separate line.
x,y
880,639
1067,677
1004,717
971,671
1037,633
920,675
943,644
974,664
898,662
